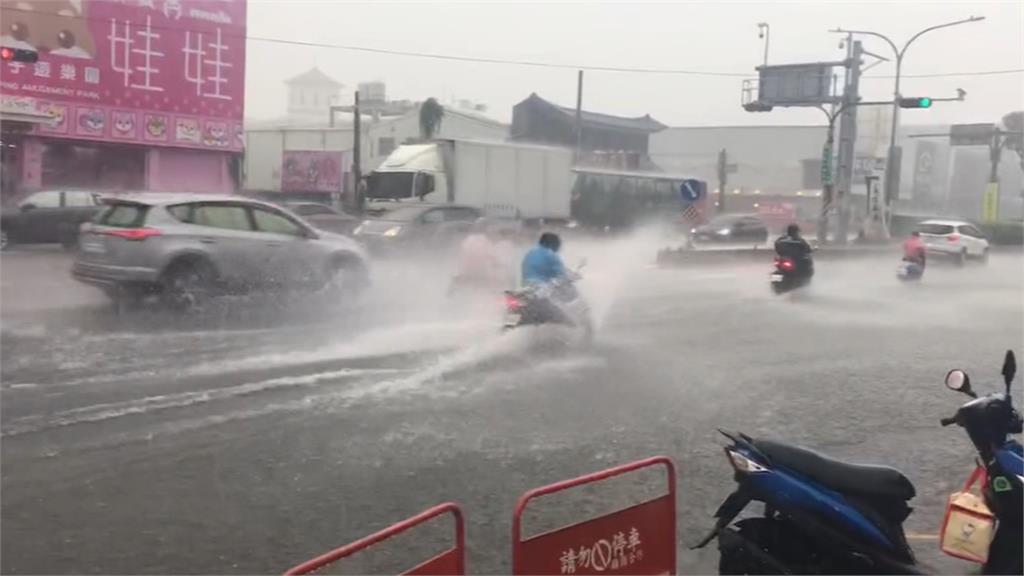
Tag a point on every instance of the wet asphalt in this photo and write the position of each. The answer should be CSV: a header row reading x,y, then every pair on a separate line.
x,y
273,429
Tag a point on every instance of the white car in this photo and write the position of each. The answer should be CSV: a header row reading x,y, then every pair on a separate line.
x,y
955,238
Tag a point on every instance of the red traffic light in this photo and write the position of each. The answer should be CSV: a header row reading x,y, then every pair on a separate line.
x,y
8,54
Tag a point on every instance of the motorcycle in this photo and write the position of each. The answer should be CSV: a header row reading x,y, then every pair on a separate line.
x,y
787,275
825,516
910,270
556,302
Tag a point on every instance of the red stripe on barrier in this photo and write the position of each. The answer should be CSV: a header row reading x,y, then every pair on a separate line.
x,y
451,561
640,539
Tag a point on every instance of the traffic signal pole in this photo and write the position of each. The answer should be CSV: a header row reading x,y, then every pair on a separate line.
x,y
847,140
895,154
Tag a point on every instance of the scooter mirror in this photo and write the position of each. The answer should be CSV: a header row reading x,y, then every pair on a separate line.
x,y
958,380
1009,369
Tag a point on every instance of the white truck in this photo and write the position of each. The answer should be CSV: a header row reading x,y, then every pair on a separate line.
x,y
502,178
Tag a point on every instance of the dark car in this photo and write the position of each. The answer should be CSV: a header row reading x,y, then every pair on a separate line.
x,y
48,216
739,228
433,225
325,217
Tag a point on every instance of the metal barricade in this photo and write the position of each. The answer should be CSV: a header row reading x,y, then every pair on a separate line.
x,y
639,539
449,562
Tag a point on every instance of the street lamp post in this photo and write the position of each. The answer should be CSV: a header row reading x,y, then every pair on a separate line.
x,y
764,31
892,173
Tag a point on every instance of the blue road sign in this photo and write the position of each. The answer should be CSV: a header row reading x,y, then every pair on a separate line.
x,y
691,190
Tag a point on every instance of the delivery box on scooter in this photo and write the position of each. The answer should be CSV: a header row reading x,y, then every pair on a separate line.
x,y
969,525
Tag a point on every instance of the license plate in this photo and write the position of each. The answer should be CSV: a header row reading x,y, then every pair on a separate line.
x,y
777,278
93,247
512,319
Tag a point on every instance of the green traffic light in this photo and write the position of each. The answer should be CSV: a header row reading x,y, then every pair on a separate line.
x,y
924,103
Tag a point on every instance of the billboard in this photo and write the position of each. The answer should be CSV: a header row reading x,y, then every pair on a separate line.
x,y
312,171
795,84
159,72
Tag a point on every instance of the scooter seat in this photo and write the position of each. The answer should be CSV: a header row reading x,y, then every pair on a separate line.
x,y
855,479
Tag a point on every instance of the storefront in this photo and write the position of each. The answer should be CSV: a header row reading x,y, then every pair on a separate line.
x,y
143,96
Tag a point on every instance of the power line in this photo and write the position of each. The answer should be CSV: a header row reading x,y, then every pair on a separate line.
x,y
528,63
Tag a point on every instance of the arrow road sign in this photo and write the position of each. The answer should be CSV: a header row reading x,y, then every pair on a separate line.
x,y
691,190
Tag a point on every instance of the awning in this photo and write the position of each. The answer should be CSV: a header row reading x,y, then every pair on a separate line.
x,y
21,109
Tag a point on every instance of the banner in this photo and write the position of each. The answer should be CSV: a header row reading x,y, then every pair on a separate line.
x,y
311,171
165,72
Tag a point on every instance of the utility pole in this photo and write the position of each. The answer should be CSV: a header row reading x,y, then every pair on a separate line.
x,y
357,170
579,116
826,177
848,138
723,176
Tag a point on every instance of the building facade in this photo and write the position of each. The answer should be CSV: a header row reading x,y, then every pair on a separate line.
x,y
124,96
311,93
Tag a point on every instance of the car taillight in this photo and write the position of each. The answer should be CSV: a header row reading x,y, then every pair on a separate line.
x,y
953,238
513,303
133,234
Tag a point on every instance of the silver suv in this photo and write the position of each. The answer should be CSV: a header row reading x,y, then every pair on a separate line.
x,y
188,247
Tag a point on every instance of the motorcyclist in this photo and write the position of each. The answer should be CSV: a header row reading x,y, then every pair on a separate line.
x,y
792,245
478,257
914,249
542,264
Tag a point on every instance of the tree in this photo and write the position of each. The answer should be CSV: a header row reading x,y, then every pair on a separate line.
x,y
1014,122
431,115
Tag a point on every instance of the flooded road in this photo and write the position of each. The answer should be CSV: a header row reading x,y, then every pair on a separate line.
x,y
250,440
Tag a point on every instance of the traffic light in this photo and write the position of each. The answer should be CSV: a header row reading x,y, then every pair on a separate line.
x,y
8,54
923,102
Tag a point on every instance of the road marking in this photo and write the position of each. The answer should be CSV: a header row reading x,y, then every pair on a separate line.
x,y
915,536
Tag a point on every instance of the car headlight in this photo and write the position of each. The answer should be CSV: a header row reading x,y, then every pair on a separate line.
x,y
393,231
724,232
693,230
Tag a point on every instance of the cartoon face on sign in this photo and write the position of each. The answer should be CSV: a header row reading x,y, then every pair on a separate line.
x,y
156,127
59,113
187,130
216,134
123,124
91,122
59,27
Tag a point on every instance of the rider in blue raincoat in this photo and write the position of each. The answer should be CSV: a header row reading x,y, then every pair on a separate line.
x,y
542,264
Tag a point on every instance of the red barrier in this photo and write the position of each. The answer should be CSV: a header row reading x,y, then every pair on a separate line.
x,y
451,561
640,539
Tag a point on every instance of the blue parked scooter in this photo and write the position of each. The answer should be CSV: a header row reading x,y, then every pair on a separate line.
x,y
824,516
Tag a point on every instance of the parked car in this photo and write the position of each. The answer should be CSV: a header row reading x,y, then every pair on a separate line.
x,y
189,247
739,228
954,238
48,216
419,225
325,217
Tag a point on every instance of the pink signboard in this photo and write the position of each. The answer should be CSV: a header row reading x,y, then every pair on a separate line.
x,y
311,171
162,72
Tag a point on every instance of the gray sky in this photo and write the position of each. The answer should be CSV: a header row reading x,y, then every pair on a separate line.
x,y
708,36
